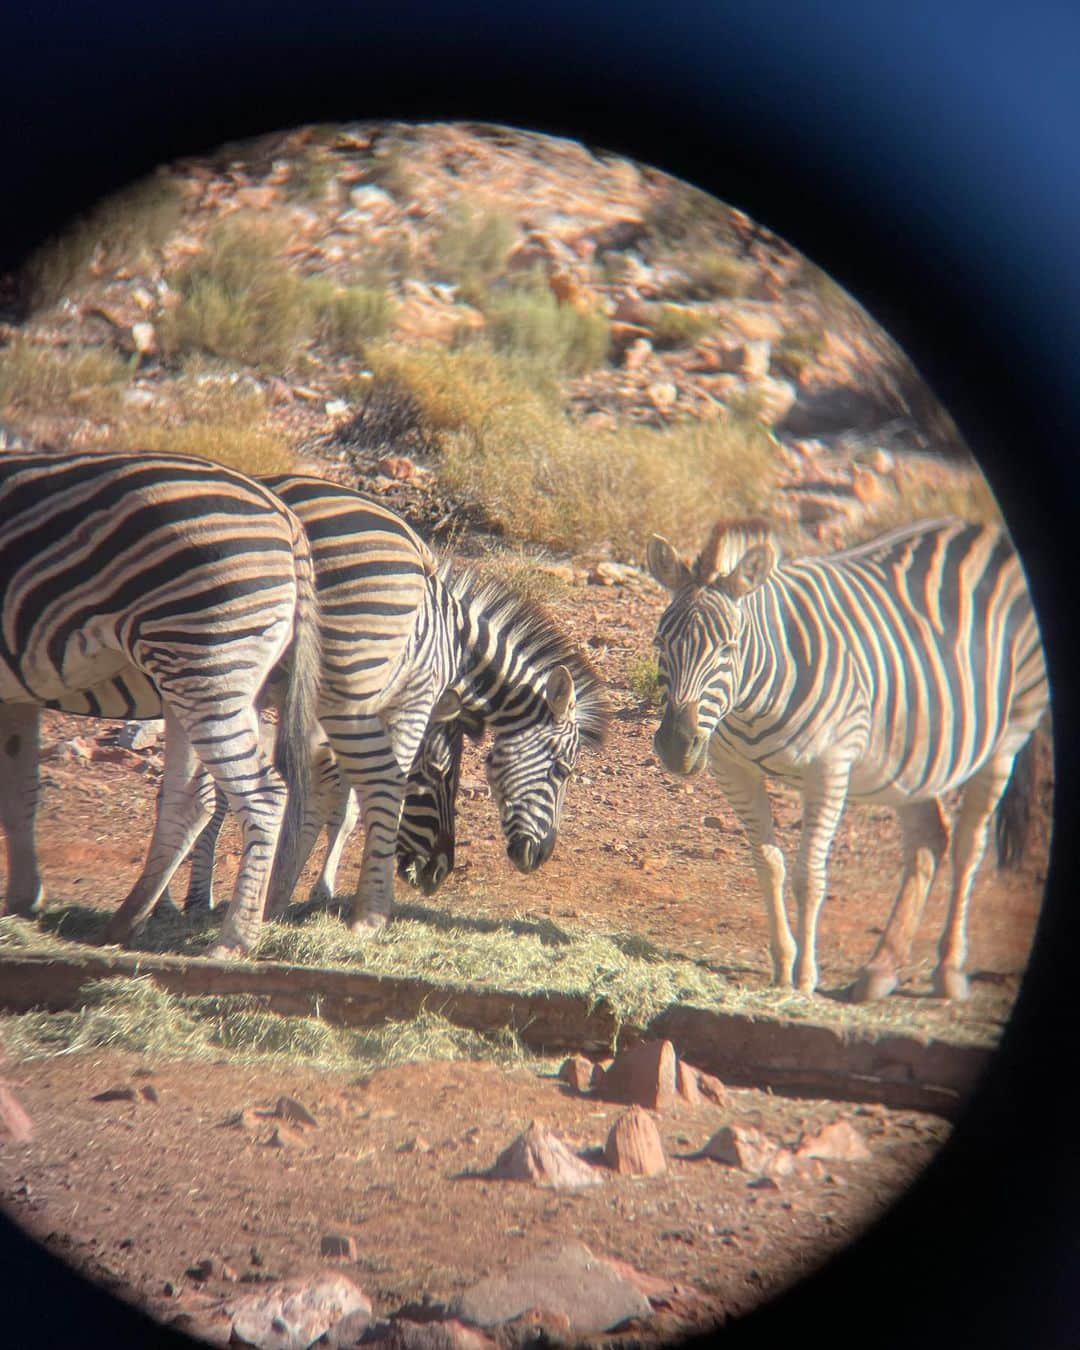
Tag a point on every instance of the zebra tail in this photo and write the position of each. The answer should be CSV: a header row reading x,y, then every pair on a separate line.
x,y
1012,820
298,710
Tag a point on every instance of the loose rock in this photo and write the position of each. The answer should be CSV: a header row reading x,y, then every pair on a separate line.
x,y
837,1141
644,1075
634,1147
539,1156
581,1073
293,1314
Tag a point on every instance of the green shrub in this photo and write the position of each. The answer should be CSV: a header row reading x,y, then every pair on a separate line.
x,y
238,299
676,326
546,339
121,231
471,248
345,317
643,679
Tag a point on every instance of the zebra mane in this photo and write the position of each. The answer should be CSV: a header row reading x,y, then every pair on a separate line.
x,y
728,543
529,628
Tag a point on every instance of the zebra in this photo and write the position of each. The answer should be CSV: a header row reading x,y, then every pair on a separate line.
x,y
193,577
891,672
408,645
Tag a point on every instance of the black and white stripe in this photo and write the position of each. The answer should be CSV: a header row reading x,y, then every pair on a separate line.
x,y
187,574
892,672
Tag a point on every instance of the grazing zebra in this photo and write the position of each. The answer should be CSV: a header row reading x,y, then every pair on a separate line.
x,y
891,672
194,577
406,644
425,839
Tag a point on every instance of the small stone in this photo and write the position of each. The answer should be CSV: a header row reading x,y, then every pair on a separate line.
x,y
741,1146
581,1073
416,1143
140,735
398,467
336,407
338,1246
13,1118
288,1108
839,1141
711,1088
662,395
644,1075
634,1147
144,338
149,1092
283,1137
686,1083
122,1093
539,1156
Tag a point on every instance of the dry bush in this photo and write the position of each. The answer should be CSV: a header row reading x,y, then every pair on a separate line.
x,y
122,231
347,317
239,299
41,379
545,479
471,248
543,338
676,326
798,348
643,680
923,495
215,419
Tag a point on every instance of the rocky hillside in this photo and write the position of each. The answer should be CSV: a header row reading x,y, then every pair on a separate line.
x,y
510,336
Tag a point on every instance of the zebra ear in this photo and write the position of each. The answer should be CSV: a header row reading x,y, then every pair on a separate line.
x,y
666,565
447,707
754,566
560,693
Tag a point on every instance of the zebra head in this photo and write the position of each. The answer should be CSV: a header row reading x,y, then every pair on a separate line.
x,y
528,768
425,841
699,637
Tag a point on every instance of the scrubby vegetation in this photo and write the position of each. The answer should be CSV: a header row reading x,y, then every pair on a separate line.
x,y
35,377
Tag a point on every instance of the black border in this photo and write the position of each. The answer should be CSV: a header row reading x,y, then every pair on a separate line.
x,y
926,159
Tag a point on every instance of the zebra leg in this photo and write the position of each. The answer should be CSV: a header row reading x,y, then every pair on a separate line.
x,y
20,750
341,820
200,891
982,792
292,855
365,754
925,838
183,809
824,793
745,790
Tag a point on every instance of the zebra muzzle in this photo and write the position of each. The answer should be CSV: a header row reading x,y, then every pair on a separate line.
x,y
528,854
678,740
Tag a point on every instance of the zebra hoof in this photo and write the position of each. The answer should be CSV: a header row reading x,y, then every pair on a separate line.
x,y
222,951
951,983
873,985
367,925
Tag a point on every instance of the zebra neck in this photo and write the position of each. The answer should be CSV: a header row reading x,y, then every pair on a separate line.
x,y
761,682
499,678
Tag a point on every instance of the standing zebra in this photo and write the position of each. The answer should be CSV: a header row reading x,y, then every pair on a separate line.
x,y
202,581
405,644
891,672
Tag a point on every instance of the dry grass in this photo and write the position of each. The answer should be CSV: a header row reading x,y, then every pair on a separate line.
x,y
637,979
214,417
346,318
643,680
124,231
925,492
40,379
135,1015
674,326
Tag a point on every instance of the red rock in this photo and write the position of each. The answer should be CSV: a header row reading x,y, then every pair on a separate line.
x,y
397,466
288,1108
711,1088
744,1147
633,1145
837,1141
402,1333
13,1118
539,1156
686,1082
283,1137
581,1073
644,1076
